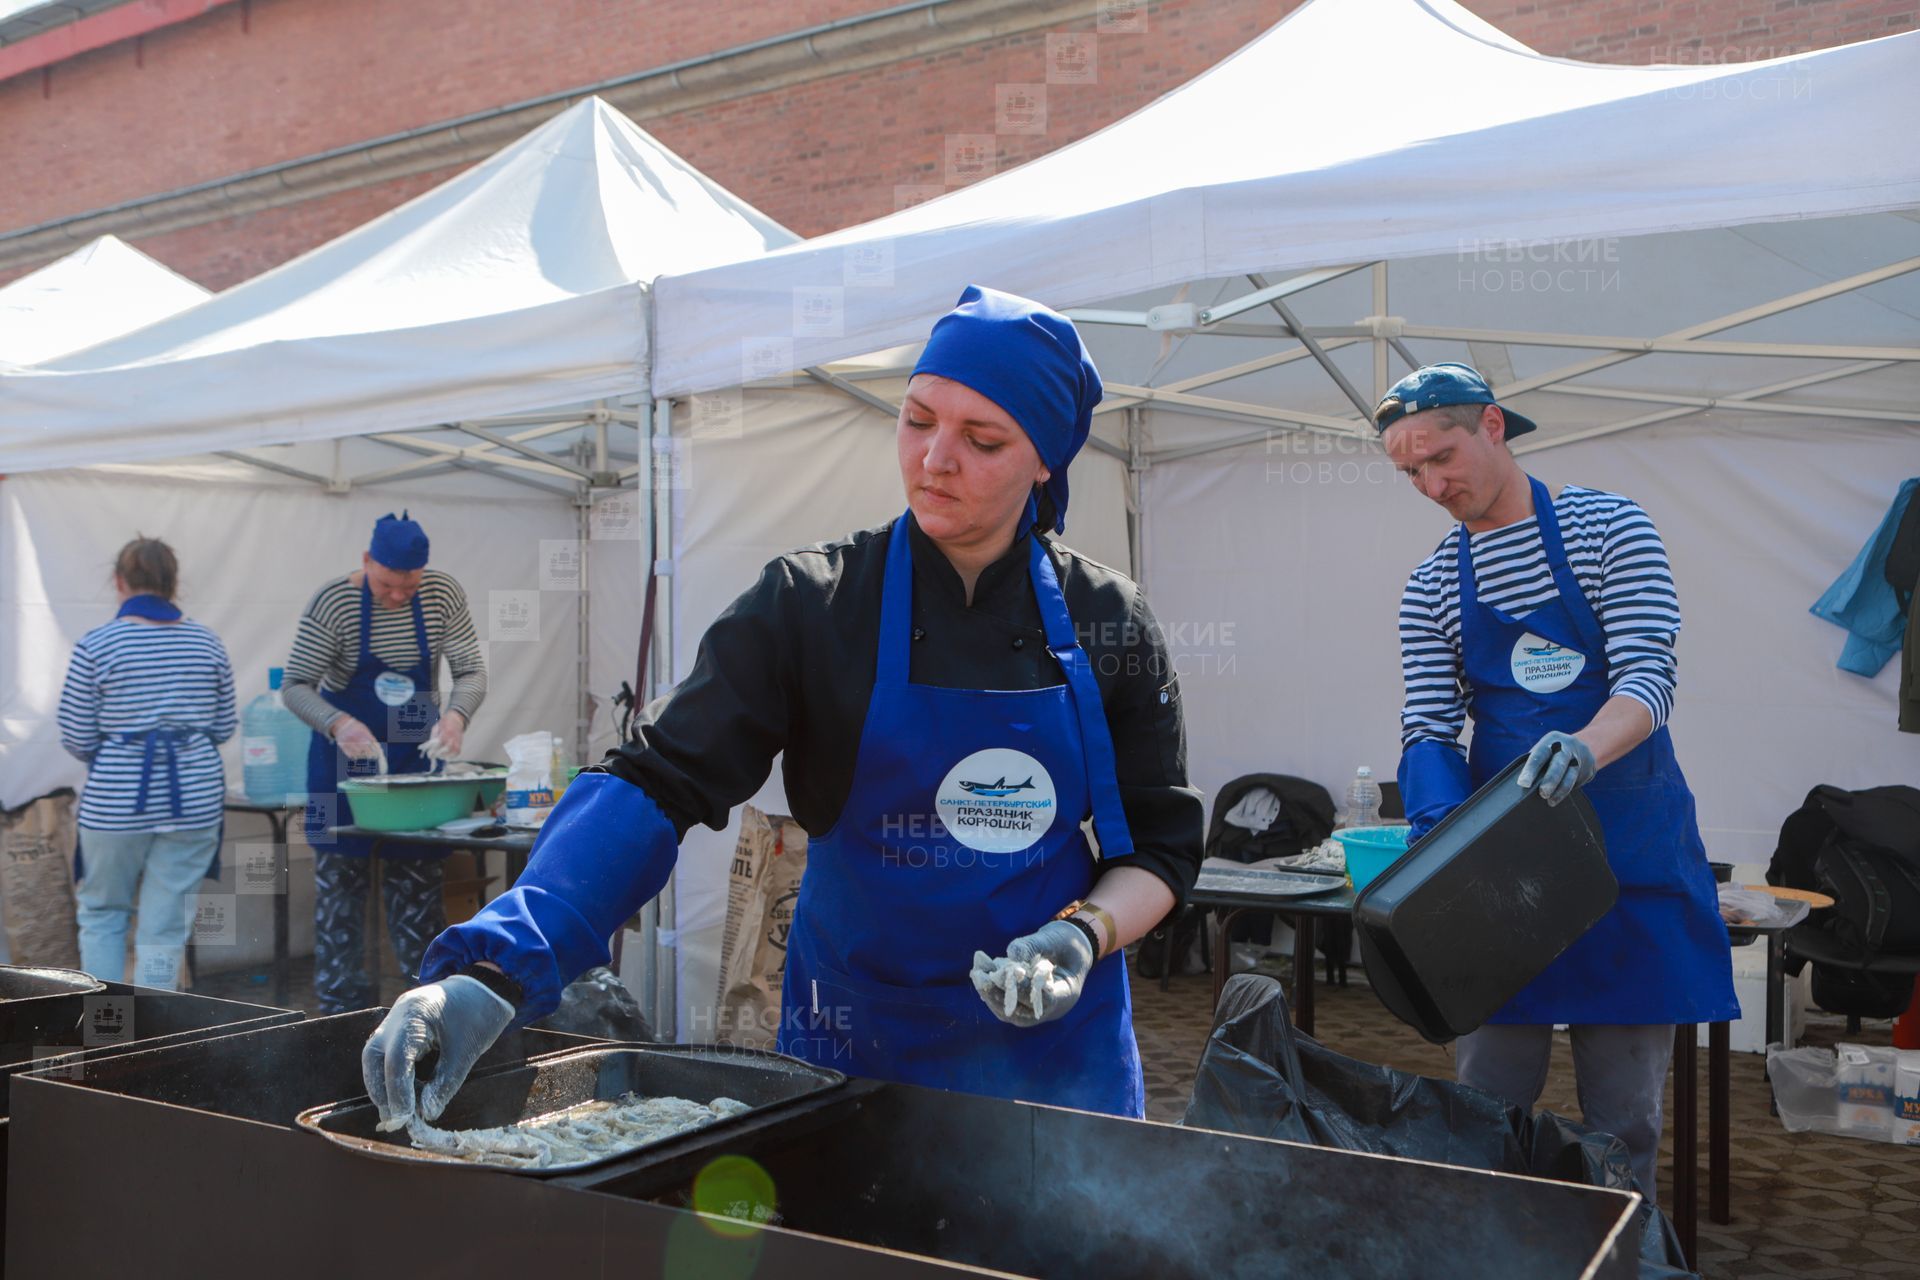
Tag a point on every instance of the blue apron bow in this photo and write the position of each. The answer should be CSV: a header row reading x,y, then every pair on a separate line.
x,y
169,739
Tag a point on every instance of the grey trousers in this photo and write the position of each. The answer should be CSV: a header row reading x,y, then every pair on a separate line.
x,y
1619,1072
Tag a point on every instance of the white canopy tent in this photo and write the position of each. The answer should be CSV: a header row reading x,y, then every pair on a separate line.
x,y
1699,279
99,291
517,286
477,356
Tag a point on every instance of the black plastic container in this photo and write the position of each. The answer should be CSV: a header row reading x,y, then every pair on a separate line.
x,y
1482,905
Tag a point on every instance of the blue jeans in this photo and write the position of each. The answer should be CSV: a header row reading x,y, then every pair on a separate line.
x,y
163,868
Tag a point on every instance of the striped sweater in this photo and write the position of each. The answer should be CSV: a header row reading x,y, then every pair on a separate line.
x,y
327,645
128,677
1621,565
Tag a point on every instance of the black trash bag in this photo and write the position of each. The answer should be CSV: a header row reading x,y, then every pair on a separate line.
x,y
1260,1077
598,1004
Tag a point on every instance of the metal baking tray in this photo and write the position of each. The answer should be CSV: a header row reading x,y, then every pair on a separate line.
x,y
1269,882
556,1081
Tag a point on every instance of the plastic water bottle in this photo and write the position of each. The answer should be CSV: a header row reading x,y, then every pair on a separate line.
x,y
1363,799
273,748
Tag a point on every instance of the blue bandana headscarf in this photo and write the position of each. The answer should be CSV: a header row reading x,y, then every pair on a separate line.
x,y
399,542
1030,361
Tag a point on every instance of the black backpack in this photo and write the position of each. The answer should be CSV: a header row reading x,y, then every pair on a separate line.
x,y
1861,848
1903,557
1306,818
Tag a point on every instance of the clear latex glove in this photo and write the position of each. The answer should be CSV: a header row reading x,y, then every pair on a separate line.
x,y
1558,763
1039,979
447,739
356,741
458,1016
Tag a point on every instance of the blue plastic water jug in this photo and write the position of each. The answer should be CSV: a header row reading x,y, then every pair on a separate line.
x,y
273,748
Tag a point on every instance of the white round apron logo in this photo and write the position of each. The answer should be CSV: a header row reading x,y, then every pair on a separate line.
x,y
392,688
1542,666
997,801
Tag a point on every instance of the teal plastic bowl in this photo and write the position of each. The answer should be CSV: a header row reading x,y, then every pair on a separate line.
x,y
383,804
1371,850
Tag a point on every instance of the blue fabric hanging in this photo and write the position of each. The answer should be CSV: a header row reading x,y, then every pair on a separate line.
x,y
1862,601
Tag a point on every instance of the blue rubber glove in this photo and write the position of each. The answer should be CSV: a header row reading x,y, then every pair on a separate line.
x,y
1069,953
1557,764
602,854
459,1017
1434,779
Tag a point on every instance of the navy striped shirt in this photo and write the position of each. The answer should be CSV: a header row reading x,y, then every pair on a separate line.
x,y
1621,565
128,677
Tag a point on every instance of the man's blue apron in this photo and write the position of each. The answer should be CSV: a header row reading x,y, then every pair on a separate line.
x,y
962,833
395,704
1661,955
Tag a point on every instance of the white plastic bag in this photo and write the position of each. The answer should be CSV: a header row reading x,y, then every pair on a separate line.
x,y
529,778
1854,1091
1740,906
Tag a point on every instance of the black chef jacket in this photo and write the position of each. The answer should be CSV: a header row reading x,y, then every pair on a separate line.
x,y
790,666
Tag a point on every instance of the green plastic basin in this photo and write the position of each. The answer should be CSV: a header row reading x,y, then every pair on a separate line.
x,y
407,804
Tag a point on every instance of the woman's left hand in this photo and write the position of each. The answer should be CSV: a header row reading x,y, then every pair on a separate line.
x,y
1070,957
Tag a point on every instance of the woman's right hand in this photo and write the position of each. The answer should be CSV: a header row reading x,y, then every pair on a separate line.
x,y
355,739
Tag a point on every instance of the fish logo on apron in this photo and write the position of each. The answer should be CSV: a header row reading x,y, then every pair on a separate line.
x,y
997,801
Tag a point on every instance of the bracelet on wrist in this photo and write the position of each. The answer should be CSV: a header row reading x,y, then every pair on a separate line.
x,y
1085,925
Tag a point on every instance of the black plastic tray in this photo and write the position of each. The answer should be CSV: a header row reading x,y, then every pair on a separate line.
x,y
38,1002
556,1081
1482,905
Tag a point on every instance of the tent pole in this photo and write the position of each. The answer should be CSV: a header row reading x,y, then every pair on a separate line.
x,y
1380,342
861,394
1312,344
1729,321
1738,399
583,640
1704,403
280,467
663,954
1136,511
1342,428
524,450
1240,370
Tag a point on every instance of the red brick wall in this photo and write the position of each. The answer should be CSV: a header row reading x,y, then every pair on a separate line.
x,y
205,100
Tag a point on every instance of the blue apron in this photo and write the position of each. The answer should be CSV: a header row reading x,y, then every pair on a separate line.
x,y
396,704
1660,956
962,833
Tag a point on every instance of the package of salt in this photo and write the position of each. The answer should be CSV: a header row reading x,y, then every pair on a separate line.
x,y
1906,1096
1863,1085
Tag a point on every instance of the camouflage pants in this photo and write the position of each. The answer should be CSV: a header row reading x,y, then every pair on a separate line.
x,y
416,915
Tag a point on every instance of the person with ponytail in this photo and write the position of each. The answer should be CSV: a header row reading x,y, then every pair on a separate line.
x,y
147,702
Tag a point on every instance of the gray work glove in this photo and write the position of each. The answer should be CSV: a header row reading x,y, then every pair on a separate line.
x,y
1557,764
459,1016
1040,978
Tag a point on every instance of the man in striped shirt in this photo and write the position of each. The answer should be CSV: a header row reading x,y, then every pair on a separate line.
x,y
1551,621
365,674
